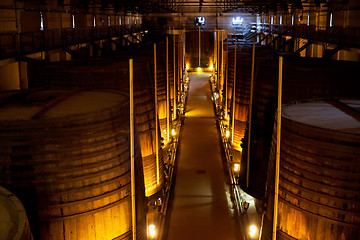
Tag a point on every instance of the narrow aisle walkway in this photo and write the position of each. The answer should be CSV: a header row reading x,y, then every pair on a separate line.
x,y
201,206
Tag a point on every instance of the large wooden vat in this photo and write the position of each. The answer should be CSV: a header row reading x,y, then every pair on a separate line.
x,y
14,224
206,48
319,193
65,154
112,73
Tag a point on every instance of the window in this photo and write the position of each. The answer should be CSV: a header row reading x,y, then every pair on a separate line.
x,y
199,21
73,20
308,19
41,22
331,19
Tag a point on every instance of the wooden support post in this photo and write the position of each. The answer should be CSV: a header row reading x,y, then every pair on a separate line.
x,y
226,78
132,147
278,139
156,121
184,50
174,88
233,99
167,91
222,66
214,55
199,46
250,115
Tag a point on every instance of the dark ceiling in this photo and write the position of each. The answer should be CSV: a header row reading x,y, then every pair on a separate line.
x,y
215,6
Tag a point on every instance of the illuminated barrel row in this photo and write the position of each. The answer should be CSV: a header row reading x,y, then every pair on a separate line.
x,y
243,84
302,79
14,223
112,73
162,76
66,155
319,171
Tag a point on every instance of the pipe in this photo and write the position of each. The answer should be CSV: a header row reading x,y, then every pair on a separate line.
x,y
226,77
167,91
132,146
233,98
278,136
156,121
174,66
250,115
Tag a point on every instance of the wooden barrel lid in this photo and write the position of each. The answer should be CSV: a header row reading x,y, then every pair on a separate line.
x,y
13,220
26,105
338,115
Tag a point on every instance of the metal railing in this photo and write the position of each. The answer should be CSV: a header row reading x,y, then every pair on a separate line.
x,y
347,37
19,44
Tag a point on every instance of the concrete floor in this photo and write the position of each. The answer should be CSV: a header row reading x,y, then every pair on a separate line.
x,y
201,207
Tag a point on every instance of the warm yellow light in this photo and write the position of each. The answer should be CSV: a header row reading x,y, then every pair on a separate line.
x,y
236,167
253,230
152,230
211,67
187,67
173,132
227,134
199,69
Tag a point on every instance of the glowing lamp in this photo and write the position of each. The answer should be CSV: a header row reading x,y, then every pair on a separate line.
x,y
173,132
152,230
187,67
227,134
253,230
199,69
211,67
236,167
237,20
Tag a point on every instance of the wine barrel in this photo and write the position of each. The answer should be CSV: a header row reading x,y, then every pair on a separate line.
x,y
65,154
14,223
112,73
319,192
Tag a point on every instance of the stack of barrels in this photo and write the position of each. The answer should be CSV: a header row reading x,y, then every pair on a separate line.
x,y
66,155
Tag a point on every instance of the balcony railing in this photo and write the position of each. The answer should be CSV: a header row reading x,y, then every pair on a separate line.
x,y
346,37
19,44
